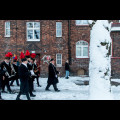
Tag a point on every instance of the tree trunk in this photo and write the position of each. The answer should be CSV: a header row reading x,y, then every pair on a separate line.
x,y
100,61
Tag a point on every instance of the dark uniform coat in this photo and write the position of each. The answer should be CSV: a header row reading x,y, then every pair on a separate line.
x,y
52,78
16,70
24,75
8,67
2,72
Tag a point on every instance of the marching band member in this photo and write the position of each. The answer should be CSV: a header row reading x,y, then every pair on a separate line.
x,y
5,65
29,65
15,69
2,72
24,75
37,72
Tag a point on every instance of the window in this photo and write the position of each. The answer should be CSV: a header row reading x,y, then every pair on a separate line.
x,y
7,29
58,29
59,60
82,49
81,22
33,31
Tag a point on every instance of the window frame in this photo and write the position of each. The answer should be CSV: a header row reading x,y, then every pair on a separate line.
x,y
58,65
7,29
82,51
82,22
33,29
58,29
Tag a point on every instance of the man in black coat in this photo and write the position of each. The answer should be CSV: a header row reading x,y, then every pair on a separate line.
x,y
52,76
30,68
5,65
24,75
1,77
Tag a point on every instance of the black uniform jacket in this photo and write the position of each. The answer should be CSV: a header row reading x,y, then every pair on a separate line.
x,y
24,75
7,66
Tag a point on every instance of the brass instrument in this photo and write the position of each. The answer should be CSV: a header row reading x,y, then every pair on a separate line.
x,y
36,70
6,72
13,70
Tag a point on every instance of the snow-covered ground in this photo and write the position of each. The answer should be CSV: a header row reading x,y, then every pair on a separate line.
x,y
69,90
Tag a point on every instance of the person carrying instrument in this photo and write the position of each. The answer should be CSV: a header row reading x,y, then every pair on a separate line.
x,y
37,72
29,65
5,65
35,68
24,75
2,72
15,70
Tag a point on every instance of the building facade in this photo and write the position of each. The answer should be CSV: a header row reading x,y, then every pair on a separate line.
x,y
59,39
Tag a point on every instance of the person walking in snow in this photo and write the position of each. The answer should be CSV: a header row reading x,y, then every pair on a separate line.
x,y
52,76
67,69
1,78
24,75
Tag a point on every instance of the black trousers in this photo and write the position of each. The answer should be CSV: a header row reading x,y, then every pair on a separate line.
x,y
17,82
19,94
54,86
38,80
6,83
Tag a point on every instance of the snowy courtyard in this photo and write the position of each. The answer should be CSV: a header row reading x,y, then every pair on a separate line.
x,y
71,89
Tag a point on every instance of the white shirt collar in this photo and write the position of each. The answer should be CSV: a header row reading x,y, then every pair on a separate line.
x,y
24,64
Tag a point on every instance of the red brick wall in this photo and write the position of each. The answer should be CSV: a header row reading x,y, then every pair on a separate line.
x,y
53,45
78,32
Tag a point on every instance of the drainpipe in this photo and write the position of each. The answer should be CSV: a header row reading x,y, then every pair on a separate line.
x,y
69,40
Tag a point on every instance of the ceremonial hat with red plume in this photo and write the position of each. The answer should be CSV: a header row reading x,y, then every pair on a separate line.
x,y
8,55
27,54
22,55
33,55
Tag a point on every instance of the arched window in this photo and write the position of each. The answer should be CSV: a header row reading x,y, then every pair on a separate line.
x,y
82,49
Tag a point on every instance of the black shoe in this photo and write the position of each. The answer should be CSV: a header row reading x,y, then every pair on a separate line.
x,y
39,86
32,95
47,90
57,90
4,91
18,99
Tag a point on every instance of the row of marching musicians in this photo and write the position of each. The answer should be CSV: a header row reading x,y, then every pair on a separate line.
x,y
10,71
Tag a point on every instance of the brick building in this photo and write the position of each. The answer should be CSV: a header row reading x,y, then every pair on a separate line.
x,y
61,39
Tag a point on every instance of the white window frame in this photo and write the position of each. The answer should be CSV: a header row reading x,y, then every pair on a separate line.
x,y
33,31
82,46
82,22
7,29
58,23
58,65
